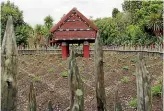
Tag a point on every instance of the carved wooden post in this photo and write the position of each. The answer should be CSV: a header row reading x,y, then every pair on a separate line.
x,y
163,87
76,86
144,99
117,103
9,69
50,106
99,74
32,98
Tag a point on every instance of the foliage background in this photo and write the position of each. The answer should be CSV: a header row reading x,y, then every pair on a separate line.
x,y
140,23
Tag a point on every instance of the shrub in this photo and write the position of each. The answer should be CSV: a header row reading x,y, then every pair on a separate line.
x,y
108,65
125,79
51,69
36,79
60,64
125,67
79,92
134,73
134,60
64,74
80,69
133,102
156,90
84,78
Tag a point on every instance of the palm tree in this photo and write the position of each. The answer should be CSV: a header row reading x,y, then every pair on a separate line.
x,y
48,21
39,31
155,22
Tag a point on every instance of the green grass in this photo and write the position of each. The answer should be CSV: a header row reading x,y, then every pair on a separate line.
x,y
81,69
84,78
51,69
59,64
64,74
125,79
108,65
134,73
133,102
134,60
125,68
36,79
156,90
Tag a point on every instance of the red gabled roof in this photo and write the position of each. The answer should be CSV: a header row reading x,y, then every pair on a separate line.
x,y
53,29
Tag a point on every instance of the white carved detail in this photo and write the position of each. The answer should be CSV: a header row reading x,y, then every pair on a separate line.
x,y
86,43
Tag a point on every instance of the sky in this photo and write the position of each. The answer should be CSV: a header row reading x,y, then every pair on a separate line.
x,y
35,11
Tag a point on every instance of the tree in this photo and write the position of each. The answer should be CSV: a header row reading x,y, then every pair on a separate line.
x,y
38,29
108,30
7,9
40,39
150,20
48,21
23,33
122,20
131,7
22,29
134,35
115,12
141,23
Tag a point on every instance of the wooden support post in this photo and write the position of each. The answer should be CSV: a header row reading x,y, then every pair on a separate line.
x,y
143,79
86,49
117,103
75,85
32,98
65,50
9,69
163,87
50,106
99,74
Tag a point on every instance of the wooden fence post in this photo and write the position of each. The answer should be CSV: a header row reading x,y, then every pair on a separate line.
x,y
76,85
50,106
143,79
117,103
163,87
32,98
99,74
9,69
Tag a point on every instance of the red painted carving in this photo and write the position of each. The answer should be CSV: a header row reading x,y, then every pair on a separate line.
x,y
75,34
74,25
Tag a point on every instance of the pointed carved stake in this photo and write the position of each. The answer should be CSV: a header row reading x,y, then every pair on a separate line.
x,y
117,104
9,69
143,79
32,98
76,86
50,106
99,74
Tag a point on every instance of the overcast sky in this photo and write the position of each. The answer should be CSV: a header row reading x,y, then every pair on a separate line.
x,y
35,11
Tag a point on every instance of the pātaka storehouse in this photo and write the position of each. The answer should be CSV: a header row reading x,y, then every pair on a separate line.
x,y
74,27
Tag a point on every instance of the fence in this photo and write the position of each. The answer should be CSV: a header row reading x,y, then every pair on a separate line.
x,y
120,49
10,70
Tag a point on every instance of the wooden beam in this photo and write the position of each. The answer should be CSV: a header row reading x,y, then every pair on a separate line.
x,y
88,29
73,20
